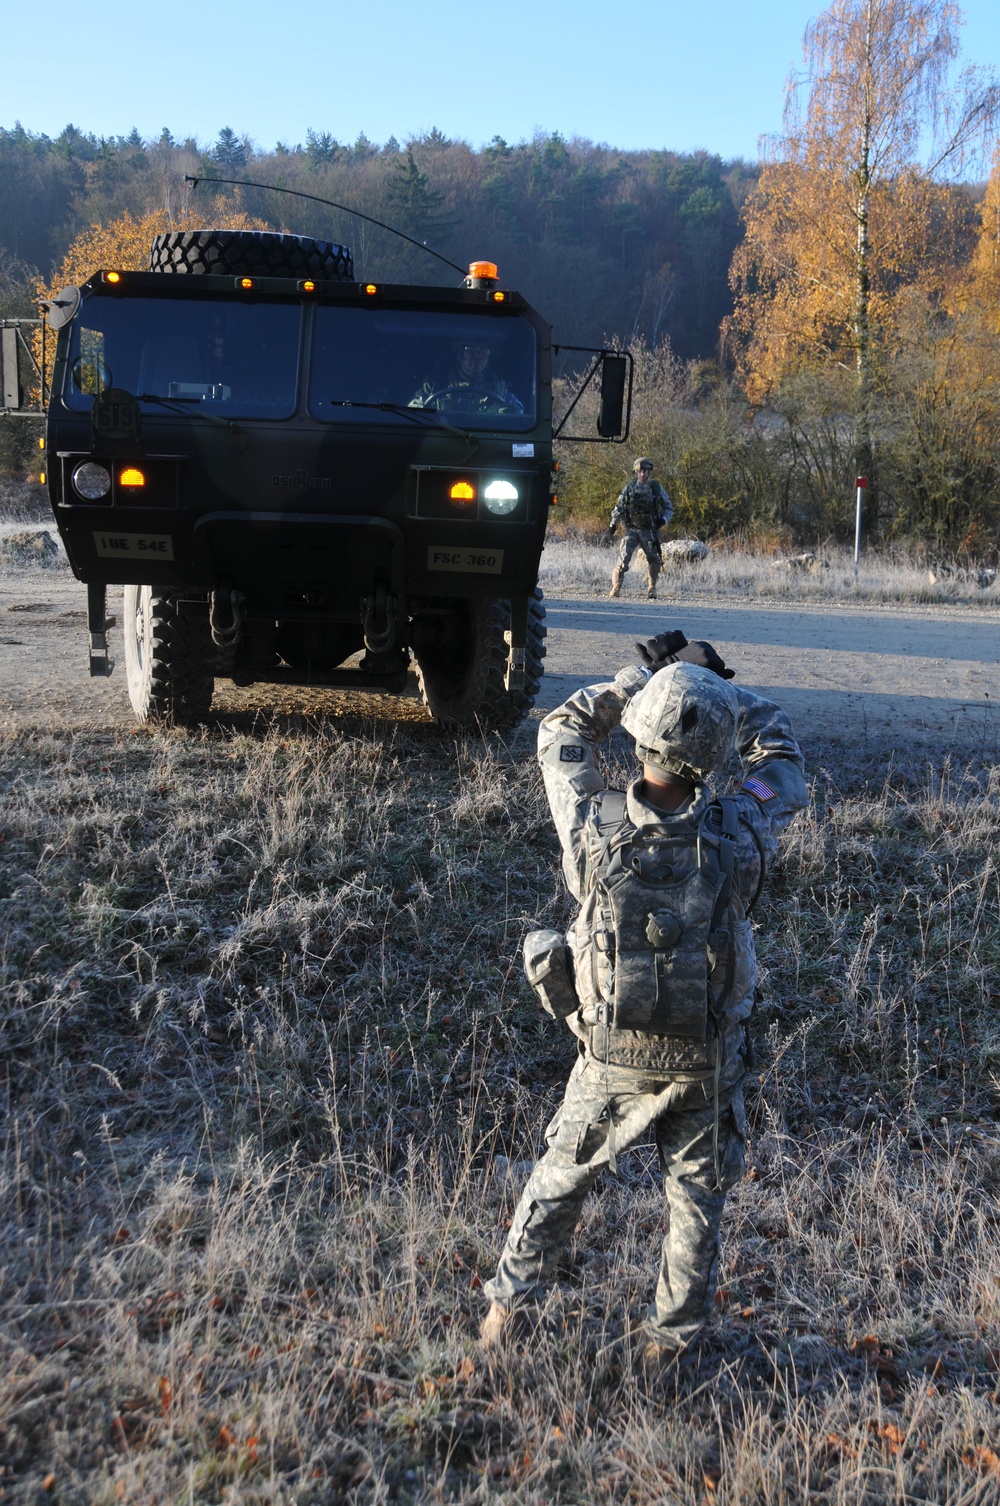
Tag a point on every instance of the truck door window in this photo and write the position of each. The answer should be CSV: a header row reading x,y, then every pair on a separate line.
x,y
373,365
231,357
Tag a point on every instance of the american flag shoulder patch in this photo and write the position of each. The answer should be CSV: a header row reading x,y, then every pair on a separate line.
x,y
571,753
757,787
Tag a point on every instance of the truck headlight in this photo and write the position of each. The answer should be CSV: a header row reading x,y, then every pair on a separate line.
x,y
91,481
501,498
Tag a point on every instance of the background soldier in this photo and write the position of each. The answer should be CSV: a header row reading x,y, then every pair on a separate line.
x,y
642,509
656,984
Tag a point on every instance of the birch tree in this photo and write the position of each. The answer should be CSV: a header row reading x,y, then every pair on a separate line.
x,y
853,205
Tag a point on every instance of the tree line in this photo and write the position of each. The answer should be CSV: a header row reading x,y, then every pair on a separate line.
x,y
600,239
827,313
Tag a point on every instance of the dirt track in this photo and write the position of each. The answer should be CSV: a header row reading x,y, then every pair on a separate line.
x,y
928,675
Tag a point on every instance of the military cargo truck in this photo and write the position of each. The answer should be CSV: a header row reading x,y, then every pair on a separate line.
x,y
303,478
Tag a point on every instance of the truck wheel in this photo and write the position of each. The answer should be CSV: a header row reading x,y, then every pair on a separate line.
x,y
462,658
250,253
169,659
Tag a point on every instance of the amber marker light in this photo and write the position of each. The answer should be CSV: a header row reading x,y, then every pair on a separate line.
x,y
246,283
131,476
308,287
462,493
371,289
499,297
112,277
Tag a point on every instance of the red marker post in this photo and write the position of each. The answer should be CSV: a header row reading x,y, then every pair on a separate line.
x,y
860,484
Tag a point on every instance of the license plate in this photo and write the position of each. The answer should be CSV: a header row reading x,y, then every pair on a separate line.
x,y
475,561
134,546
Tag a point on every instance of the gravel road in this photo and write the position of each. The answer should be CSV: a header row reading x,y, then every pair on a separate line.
x,y
929,674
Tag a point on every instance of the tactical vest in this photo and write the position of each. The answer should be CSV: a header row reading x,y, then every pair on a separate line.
x,y
640,511
654,944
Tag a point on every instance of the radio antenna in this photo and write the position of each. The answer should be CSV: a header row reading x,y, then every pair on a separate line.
x,y
345,208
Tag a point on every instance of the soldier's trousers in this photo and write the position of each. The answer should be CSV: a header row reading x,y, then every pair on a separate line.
x,y
683,1116
645,540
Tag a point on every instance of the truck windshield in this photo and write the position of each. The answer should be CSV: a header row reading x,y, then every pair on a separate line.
x,y
233,358
370,364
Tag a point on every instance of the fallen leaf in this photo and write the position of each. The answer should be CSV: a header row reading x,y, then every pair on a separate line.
x,y
982,1460
166,1391
49,1483
840,1447
227,1438
893,1436
465,1369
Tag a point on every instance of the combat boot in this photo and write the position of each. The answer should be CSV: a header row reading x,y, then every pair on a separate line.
x,y
657,1356
500,1323
616,582
651,585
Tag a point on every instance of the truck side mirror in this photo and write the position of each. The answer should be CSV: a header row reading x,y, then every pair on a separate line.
x,y
613,379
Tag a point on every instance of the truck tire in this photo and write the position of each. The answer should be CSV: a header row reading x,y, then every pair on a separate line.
x,y
462,658
169,659
250,253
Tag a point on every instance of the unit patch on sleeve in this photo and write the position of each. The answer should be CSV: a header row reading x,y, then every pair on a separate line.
x,y
572,753
757,787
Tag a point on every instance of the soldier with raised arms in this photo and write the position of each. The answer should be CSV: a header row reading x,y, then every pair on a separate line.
x,y
656,977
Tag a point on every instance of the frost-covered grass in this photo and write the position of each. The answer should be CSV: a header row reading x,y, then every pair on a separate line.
x,y
23,502
573,565
269,1065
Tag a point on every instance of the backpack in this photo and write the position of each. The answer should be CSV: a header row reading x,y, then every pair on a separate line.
x,y
657,911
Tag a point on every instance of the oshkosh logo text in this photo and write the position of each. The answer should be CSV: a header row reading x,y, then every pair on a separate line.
x,y
301,480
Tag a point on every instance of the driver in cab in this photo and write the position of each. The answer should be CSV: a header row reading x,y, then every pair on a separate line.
x,y
470,385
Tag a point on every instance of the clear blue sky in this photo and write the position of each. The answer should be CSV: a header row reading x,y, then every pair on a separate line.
x,y
655,73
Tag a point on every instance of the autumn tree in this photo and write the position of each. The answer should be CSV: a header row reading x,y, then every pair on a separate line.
x,y
854,204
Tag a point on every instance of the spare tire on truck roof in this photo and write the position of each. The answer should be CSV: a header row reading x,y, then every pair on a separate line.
x,y
251,253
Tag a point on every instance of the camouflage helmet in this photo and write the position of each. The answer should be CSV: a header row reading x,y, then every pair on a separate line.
x,y
684,721
640,462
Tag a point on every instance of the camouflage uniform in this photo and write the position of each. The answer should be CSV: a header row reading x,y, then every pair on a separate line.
x,y
622,1083
642,509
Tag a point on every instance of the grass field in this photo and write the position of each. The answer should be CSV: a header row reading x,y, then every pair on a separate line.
x,y
271,1074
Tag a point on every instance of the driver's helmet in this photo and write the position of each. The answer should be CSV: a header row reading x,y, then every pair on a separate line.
x,y
472,357
684,721
642,463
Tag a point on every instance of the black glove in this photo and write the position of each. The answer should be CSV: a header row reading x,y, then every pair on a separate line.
x,y
607,538
674,648
703,654
661,650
